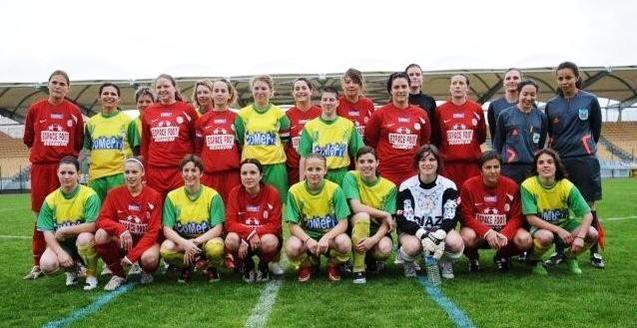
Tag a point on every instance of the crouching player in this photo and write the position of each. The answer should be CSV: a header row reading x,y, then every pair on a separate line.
x,y
193,219
253,225
426,213
547,200
317,212
373,202
129,226
491,215
67,219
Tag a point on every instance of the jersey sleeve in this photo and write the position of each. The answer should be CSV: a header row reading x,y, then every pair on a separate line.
x,y
404,225
146,138
46,218
133,135
529,204
152,234
500,133
390,203
355,142
29,128
217,211
232,217
169,213
350,187
239,128
596,119
91,208
292,214
450,212
515,219
482,127
577,203
284,128
305,144
88,140
79,132
491,119
425,130
340,205
543,130
199,139
372,129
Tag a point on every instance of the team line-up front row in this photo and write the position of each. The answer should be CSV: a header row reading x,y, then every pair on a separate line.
x,y
199,231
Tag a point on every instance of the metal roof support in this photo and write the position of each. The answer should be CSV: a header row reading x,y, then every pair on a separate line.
x,y
592,79
81,92
487,95
15,109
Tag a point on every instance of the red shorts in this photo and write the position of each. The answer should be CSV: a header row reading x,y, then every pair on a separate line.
x,y
459,172
399,177
164,179
44,180
222,182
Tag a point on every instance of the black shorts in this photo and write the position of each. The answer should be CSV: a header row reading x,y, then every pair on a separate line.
x,y
584,173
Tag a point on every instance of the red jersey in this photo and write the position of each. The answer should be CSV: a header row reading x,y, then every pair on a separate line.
x,y
139,215
397,134
168,133
461,130
262,213
298,118
53,131
216,141
495,208
359,112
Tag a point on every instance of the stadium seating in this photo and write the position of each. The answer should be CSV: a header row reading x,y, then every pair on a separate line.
x,y
623,136
15,156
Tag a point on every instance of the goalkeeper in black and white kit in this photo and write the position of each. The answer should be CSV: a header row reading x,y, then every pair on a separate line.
x,y
427,214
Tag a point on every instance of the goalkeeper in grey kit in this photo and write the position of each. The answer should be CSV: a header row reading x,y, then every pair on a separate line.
x,y
427,214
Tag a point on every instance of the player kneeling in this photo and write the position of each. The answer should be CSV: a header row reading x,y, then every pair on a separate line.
x,y
253,224
193,219
67,219
129,226
317,212
548,198
426,215
491,215
373,200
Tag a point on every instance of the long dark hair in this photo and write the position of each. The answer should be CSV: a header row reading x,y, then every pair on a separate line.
x,y
560,170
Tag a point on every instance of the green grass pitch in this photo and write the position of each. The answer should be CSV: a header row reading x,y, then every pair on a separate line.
x,y
599,298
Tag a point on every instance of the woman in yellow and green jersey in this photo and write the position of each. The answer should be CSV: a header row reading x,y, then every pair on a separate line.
x,y
67,219
332,136
193,224
316,211
373,202
262,131
548,199
110,137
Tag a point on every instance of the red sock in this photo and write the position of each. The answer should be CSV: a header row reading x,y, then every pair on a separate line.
x,y
38,244
110,255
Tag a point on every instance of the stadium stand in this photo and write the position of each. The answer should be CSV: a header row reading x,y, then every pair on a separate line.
x,y
621,139
15,156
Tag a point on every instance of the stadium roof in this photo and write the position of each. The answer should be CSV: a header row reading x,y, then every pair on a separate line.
x,y
616,83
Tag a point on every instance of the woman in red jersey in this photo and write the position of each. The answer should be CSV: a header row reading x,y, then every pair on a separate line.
x,y
353,105
202,96
168,133
54,128
253,222
216,142
491,215
459,131
302,112
397,130
129,226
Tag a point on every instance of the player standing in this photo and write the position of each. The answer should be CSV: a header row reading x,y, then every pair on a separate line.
x,y
168,133
416,96
575,125
110,137
302,112
352,105
53,128
144,97
397,130
216,141
521,131
461,128
512,77
263,130
332,136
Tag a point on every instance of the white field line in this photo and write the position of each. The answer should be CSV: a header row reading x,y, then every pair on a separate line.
x,y
261,311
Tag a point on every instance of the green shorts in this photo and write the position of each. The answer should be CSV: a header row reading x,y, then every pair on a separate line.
x,y
104,184
336,175
277,176
569,225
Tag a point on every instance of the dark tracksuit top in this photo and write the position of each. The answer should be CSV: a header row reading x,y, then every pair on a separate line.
x,y
575,124
519,135
495,108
